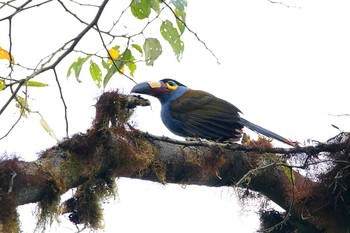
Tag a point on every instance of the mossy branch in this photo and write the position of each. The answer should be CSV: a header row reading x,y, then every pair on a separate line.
x,y
111,148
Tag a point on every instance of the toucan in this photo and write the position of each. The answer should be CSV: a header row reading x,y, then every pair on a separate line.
x,y
199,114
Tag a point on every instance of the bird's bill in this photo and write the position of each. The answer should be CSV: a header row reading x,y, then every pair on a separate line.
x,y
150,88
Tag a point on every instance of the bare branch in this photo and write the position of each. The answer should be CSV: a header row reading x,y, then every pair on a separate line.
x,y
63,101
20,84
283,4
18,9
339,115
12,127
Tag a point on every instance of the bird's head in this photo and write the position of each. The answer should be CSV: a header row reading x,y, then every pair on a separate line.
x,y
161,89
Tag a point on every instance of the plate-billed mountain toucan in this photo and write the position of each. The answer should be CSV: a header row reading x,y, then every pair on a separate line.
x,y
193,113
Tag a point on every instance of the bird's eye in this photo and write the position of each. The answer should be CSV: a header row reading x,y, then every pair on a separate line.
x,y
171,85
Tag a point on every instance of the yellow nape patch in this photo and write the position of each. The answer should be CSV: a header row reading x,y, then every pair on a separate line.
x,y
155,84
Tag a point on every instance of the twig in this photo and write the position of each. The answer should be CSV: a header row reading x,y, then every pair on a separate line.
x,y
12,127
339,115
18,9
251,172
283,4
63,101
70,12
190,30
20,84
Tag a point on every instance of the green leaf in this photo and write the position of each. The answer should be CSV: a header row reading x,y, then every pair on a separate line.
x,y
96,73
2,84
154,4
181,15
126,56
116,47
36,84
23,105
105,64
132,67
47,128
171,35
140,9
180,4
138,48
76,66
111,71
152,49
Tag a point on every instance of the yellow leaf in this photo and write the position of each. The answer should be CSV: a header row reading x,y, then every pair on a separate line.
x,y
47,128
114,54
5,55
2,84
121,70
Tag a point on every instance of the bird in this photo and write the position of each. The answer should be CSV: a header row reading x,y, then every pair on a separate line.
x,y
198,114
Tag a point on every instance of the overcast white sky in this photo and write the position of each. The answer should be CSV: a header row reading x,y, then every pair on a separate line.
x,y
285,68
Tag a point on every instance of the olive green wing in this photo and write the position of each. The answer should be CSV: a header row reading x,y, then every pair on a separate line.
x,y
206,116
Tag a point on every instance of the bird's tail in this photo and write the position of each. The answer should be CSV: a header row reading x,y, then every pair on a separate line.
x,y
266,132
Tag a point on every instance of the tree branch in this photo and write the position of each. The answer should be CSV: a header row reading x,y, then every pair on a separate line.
x,y
88,160
321,147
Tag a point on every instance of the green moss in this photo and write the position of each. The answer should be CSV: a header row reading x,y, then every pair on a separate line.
x,y
70,168
86,159
47,208
85,206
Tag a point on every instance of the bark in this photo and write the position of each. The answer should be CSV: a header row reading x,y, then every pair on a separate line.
x,y
104,152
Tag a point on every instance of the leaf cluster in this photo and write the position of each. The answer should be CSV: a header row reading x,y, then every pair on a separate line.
x,y
120,53
148,50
